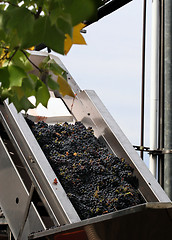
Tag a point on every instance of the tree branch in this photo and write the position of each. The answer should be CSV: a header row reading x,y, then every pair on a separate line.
x,y
8,2
38,12
16,49
31,61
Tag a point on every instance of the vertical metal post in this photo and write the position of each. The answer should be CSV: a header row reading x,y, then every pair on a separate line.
x,y
168,96
161,98
143,78
154,97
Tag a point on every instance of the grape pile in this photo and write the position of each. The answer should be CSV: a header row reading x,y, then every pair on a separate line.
x,y
95,180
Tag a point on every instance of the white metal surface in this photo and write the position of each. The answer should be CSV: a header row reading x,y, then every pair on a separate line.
x,y
55,112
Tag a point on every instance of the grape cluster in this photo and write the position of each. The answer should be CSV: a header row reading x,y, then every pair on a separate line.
x,y
95,180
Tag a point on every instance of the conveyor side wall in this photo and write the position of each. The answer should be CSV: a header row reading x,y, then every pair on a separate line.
x,y
41,172
89,109
14,197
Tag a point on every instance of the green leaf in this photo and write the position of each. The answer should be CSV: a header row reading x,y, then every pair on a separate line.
x,y
21,28
55,68
3,18
62,20
18,91
21,20
49,64
2,6
44,64
14,99
3,23
53,37
38,84
80,10
64,75
22,104
42,95
52,84
2,34
45,33
35,79
28,86
21,61
54,14
26,104
5,93
4,77
16,75
14,2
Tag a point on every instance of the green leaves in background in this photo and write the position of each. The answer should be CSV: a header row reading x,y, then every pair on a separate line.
x,y
16,75
47,22
4,74
42,95
24,24
17,83
61,84
21,21
44,32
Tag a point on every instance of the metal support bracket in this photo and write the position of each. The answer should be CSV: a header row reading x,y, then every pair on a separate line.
x,y
153,152
26,212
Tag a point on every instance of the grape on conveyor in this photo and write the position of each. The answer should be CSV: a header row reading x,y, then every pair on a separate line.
x,y
96,181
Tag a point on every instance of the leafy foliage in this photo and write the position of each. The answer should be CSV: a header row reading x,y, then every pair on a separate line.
x,y
24,24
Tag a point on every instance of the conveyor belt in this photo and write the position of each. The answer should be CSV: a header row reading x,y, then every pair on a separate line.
x,y
30,192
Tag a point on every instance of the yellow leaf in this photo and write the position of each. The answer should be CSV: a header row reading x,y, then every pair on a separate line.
x,y
67,44
65,88
31,48
76,39
5,54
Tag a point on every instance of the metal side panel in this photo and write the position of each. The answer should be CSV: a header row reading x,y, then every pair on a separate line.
x,y
27,168
88,108
150,221
14,197
41,169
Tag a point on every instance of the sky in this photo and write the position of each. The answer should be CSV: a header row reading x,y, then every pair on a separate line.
x,y
111,65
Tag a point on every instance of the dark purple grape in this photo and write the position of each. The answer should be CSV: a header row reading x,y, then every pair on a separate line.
x,y
96,181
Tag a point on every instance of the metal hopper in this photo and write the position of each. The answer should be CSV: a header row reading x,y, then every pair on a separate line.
x,y
36,208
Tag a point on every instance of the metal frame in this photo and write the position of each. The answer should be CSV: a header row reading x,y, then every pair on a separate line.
x,y
150,221
88,108
10,127
110,7
14,197
53,196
